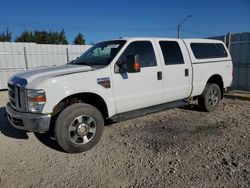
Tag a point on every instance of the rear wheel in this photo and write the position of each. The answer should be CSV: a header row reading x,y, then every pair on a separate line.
x,y
210,98
78,128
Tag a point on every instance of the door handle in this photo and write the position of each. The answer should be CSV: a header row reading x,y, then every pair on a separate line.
x,y
159,75
186,72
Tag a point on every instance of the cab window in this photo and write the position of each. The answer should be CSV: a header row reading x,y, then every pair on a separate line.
x,y
144,50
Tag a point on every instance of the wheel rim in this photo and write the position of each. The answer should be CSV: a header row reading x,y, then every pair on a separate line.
x,y
213,97
82,129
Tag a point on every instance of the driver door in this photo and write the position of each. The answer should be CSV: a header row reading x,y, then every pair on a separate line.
x,y
142,89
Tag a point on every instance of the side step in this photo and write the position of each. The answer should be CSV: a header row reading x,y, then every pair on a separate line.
x,y
149,110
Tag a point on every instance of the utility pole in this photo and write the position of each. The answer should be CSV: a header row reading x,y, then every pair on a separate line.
x,y
179,26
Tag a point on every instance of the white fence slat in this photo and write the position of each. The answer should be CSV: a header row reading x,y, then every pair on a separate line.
x,y
38,55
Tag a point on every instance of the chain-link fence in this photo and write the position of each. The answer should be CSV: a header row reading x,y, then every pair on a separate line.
x,y
239,47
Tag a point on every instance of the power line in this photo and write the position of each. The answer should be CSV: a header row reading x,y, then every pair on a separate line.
x,y
29,25
199,33
52,26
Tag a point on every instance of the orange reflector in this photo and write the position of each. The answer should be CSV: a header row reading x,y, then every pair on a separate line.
x,y
37,99
136,66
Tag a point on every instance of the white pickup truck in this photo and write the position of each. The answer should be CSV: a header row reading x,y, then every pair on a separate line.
x,y
118,79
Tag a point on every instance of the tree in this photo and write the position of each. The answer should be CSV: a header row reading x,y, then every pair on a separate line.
x,y
43,37
79,39
63,38
26,36
5,36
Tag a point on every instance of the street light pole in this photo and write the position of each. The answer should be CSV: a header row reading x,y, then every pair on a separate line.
x,y
179,26
178,31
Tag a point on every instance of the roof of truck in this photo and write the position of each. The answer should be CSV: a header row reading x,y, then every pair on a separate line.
x,y
188,41
163,38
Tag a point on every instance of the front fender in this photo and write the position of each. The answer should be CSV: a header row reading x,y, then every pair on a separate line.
x,y
59,88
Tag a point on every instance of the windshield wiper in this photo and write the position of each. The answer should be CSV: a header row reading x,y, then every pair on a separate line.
x,y
83,63
71,62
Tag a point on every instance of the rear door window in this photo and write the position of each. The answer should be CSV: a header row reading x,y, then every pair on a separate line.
x,y
171,52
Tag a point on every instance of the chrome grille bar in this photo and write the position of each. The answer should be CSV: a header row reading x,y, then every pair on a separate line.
x,y
16,97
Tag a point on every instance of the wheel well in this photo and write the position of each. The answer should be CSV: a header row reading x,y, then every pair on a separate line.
x,y
88,98
217,79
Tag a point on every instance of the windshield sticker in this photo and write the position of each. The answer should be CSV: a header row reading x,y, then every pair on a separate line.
x,y
113,46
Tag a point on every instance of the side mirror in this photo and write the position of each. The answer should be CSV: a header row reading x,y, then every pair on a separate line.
x,y
133,64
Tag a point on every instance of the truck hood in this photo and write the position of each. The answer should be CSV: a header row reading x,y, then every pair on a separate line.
x,y
33,77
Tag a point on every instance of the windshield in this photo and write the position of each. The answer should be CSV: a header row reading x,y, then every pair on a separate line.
x,y
100,54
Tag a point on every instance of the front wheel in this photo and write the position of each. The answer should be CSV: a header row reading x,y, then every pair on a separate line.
x,y
210,98
78,128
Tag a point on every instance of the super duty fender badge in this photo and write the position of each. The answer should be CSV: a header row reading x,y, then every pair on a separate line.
x,y
105,82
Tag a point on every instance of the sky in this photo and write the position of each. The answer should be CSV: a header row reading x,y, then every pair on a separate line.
x,y
109,19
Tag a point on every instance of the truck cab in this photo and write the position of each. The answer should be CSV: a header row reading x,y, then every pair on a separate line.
x,y
118,79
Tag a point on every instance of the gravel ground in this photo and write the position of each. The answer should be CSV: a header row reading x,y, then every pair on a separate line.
x,y
174,148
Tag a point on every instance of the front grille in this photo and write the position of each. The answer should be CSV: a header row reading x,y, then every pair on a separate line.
x,y
17,97
12,95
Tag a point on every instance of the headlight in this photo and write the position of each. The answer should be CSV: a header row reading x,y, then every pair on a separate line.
x,y
36,100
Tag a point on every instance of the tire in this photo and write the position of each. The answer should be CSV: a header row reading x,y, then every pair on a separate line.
x,y
78,128
210,98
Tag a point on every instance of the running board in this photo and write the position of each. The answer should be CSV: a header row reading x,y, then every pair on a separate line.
x,y
149,110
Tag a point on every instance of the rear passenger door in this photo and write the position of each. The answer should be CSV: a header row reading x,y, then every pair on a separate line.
x,y
177,71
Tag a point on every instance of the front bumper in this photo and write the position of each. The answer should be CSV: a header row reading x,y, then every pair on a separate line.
x,y
28,121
